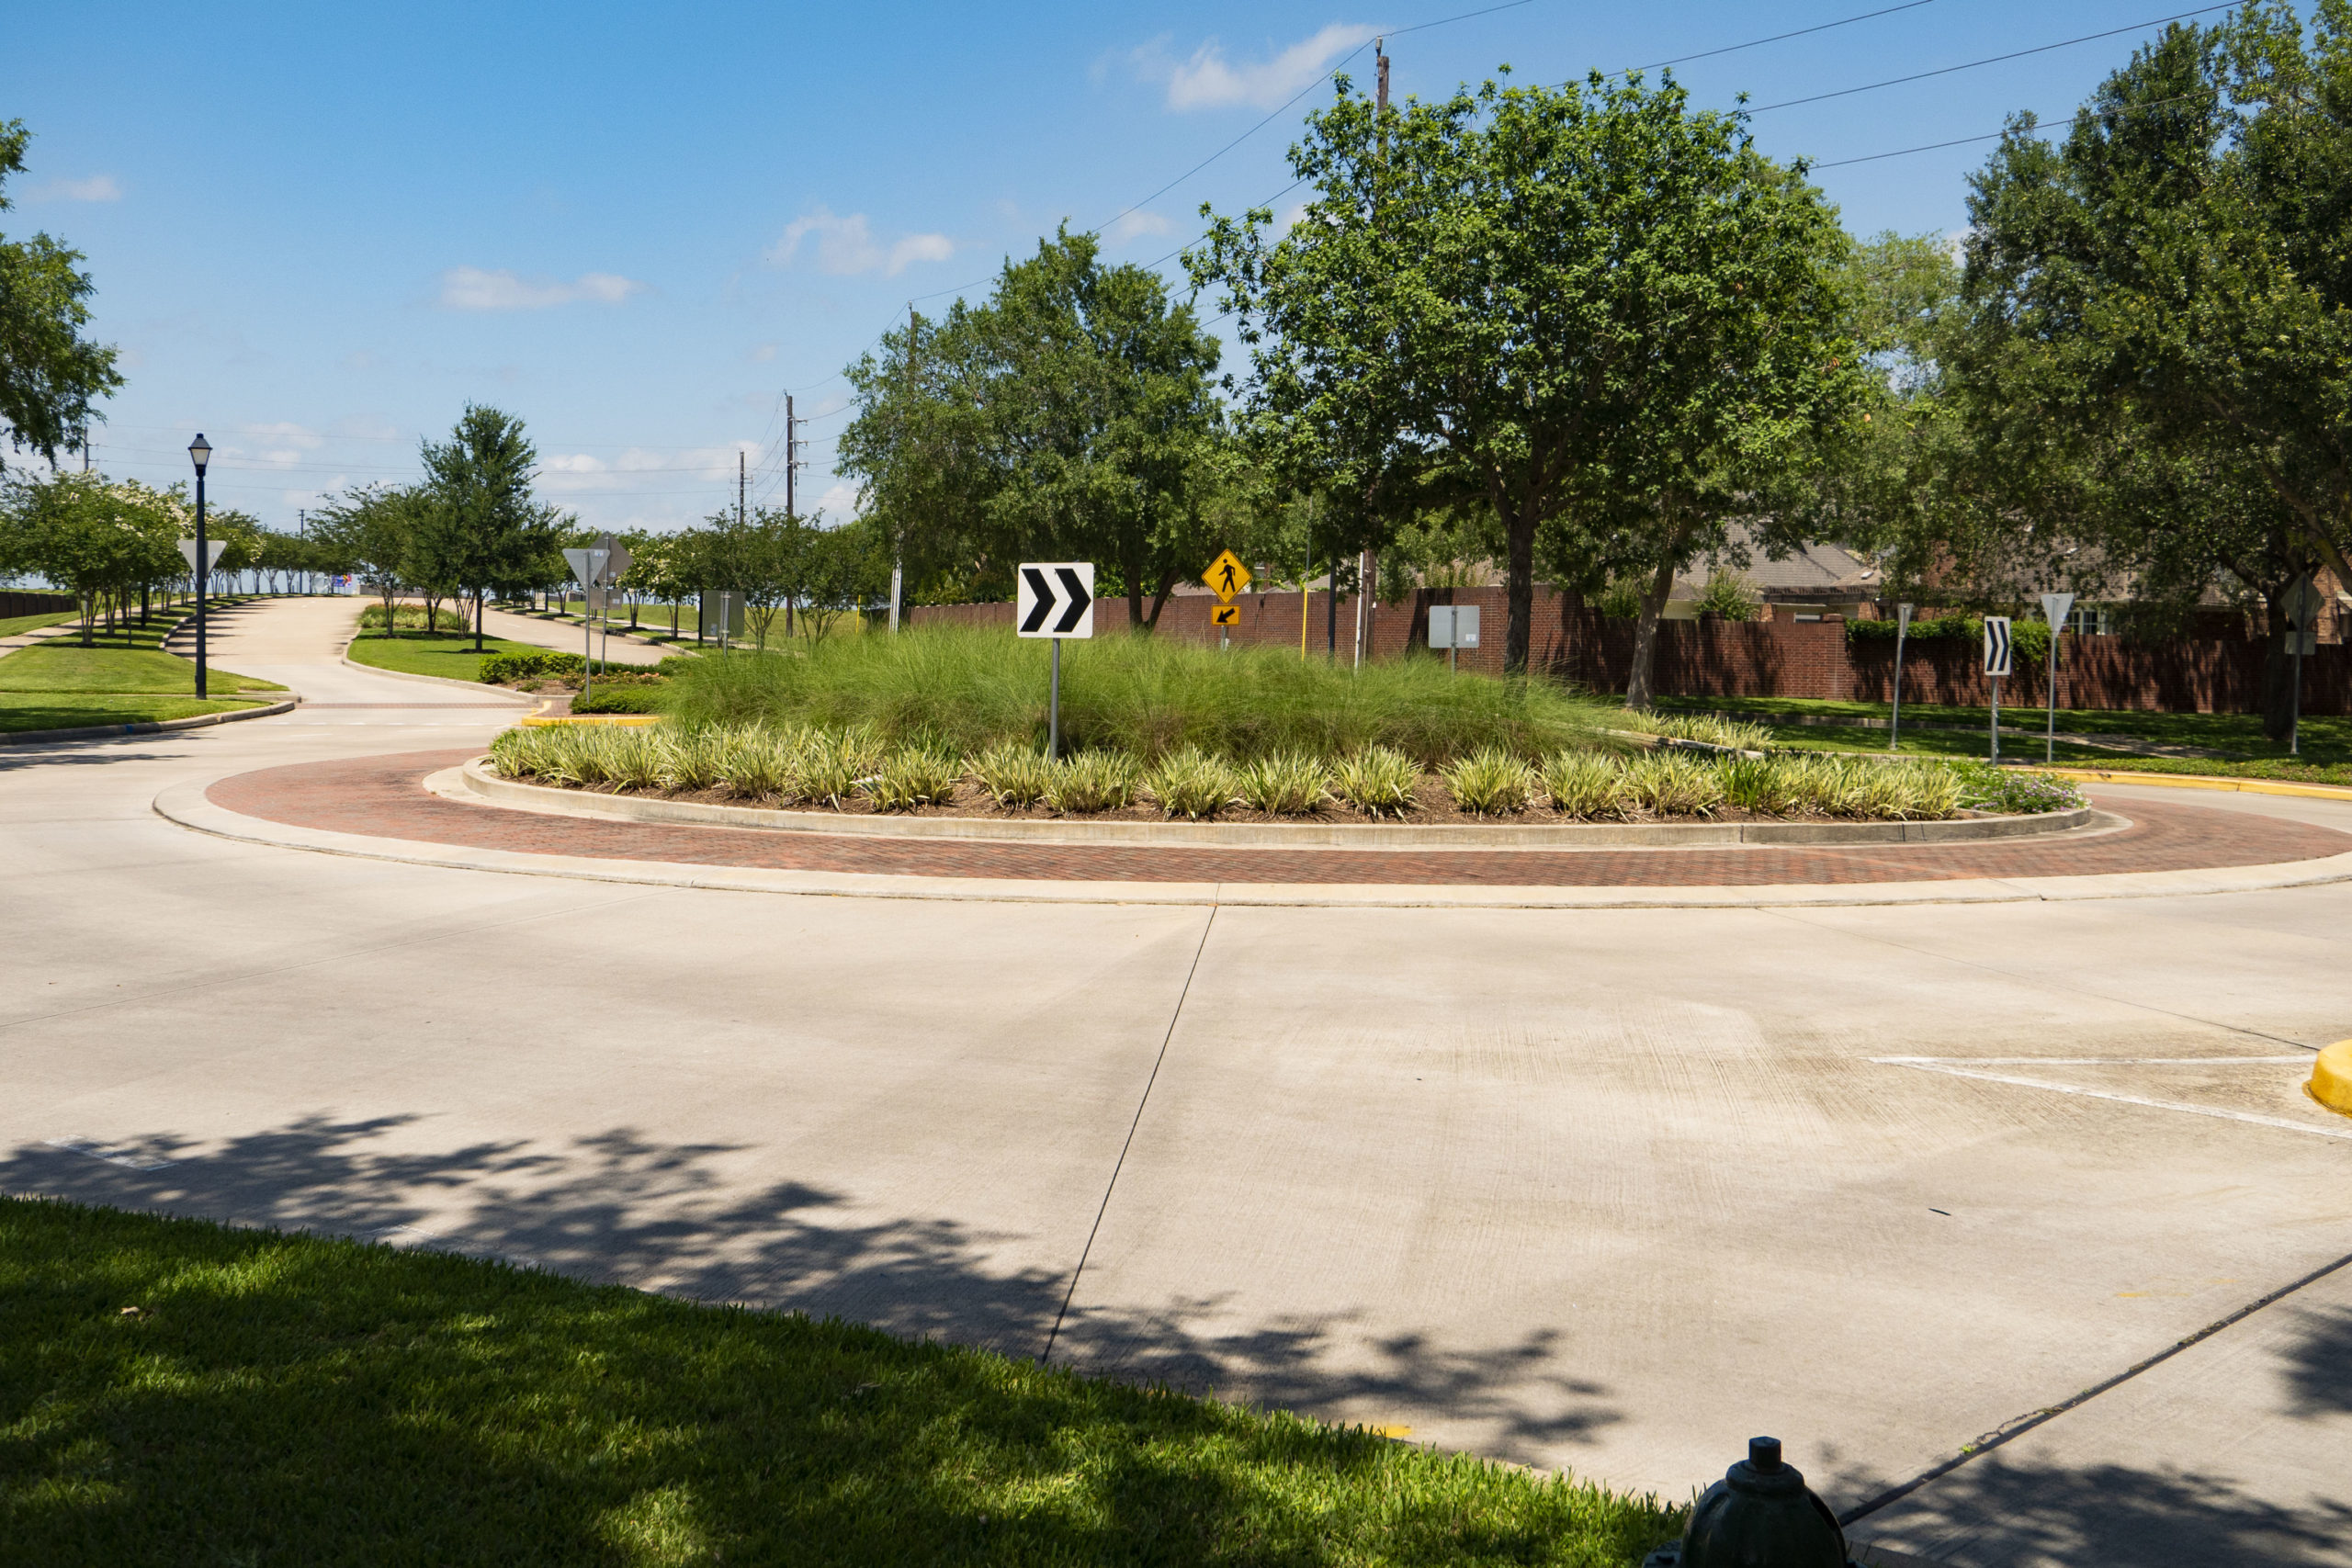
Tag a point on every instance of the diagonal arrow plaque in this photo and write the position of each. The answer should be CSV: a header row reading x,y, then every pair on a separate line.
x,y
1056,599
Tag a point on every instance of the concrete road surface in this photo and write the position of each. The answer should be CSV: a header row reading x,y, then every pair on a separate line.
x,y
1604,1189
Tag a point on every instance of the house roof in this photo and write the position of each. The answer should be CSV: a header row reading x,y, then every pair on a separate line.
x,y
1817,570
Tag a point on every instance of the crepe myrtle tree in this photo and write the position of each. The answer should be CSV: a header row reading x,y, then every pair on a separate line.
x,y
1589,303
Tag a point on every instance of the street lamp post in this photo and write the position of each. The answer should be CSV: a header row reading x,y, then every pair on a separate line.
x,y
201,450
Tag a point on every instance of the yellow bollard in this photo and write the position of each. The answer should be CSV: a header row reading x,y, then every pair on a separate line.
x,y
2331,1082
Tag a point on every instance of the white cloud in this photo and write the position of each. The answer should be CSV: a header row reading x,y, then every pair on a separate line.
x,y
580,473
1209,81
846,247
1133,224
764,354
98,188
472,288
839,501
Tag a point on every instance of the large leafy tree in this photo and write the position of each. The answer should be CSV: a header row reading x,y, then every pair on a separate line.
x,y
1071,414
2176,267
97,539
368,530
480,531
1588,308
49,373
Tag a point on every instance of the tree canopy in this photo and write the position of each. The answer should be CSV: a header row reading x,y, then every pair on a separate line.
x,y
50,372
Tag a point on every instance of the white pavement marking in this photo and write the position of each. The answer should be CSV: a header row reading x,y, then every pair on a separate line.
x,y
1944,1065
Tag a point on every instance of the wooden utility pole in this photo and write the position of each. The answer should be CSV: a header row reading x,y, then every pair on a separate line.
x,y
791,457
1368,564
742,483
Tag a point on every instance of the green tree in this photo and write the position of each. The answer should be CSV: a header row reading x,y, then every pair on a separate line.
x,y
1071,415
96,539
483,532
1587,309
49,372
368,527
2169,284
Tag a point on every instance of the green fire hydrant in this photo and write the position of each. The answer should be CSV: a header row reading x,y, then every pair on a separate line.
x,y
1761,1514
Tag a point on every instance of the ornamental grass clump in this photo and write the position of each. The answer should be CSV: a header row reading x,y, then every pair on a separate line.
x,y
1489,782
912,776
1015,776
1376,781
760,765
1093,781
633,757
1674,783
694,759
833,767
1769,787
1288,783
1587,786
1191,783
971,689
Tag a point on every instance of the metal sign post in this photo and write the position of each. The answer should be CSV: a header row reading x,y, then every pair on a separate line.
x,y
1902,631
588,567
1056,600
1997,649
2303,625
2055,610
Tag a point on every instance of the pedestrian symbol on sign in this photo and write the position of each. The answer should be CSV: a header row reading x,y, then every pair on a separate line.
x,y
1226,576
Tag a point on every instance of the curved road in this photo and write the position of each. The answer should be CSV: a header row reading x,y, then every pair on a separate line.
x,y
1606,1188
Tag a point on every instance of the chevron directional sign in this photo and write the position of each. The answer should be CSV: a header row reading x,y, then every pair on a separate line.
x,y
1997,646
1056,599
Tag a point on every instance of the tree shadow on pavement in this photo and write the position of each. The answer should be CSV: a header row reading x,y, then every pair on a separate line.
x,y
622,1208
1998,1514
2319,1368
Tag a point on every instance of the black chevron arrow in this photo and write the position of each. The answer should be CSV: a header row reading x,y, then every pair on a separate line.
x,y
1041,596
1078,599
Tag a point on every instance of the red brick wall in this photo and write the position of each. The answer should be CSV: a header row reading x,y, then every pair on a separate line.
x,y
1760,659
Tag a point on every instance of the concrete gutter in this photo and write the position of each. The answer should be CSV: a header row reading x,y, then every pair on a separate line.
x,y
187,805
480,781
157,726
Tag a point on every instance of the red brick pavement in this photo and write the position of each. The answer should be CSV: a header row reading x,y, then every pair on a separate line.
x,y
383,797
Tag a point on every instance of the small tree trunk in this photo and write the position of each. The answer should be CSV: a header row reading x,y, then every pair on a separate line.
x,y
1637,680
1519,613
478,593
2278,678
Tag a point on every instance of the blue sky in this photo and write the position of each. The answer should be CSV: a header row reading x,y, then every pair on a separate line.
x,y
317,232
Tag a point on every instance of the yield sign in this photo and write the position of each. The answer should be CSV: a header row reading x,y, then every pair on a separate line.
x,y
1226,575
587,566
211,547
1056,599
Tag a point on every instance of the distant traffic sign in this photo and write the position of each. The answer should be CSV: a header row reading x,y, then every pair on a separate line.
x,y
1453,626
1225,615
1998,646
2304,602
616,557
1056,599
211,547
587,566
1226,576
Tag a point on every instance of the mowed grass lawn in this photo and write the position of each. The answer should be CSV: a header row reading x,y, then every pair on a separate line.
x,y
448,654
177,1392
122,678
2326,755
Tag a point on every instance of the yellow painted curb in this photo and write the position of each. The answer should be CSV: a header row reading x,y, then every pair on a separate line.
x,y
2196,781
2331,1082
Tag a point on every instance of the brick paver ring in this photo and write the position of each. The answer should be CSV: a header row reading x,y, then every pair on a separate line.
x,y
384,797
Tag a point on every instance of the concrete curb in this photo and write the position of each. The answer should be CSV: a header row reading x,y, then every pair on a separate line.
x,y
188,805
428,680
1267,835
2203,781
157,726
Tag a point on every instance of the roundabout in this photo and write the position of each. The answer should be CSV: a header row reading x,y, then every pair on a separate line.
x,y
1602,1160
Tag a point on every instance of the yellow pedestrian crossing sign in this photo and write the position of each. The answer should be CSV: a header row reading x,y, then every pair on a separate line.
x,y
1228,576
1225,615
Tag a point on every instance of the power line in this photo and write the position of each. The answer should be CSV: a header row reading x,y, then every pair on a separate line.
x,y
1776,38
1989,59
2039,128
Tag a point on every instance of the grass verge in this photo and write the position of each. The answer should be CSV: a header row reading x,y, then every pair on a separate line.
x,y
448,654
966,690
15,624
24,711
173,1392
